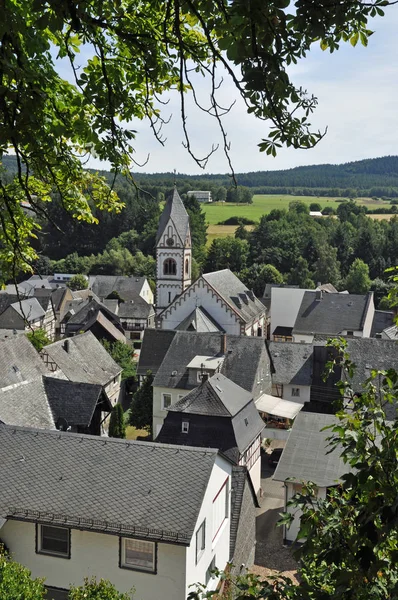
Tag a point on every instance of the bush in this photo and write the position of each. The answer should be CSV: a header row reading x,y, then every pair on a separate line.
x,y
237,221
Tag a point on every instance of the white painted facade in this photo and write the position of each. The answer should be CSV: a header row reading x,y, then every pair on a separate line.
x,y
97,554
291,488
146,292
200,294
159,411
251,459
292,392
170,283
285,304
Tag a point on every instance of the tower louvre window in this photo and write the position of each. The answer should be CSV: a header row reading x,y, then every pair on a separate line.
x,y
169,267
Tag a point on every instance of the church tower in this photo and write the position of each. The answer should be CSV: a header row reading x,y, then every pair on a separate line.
x,y
173,252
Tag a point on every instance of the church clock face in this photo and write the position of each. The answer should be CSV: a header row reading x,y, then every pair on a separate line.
x,y
170,242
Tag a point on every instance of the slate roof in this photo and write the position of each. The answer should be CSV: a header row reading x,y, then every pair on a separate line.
x,y
174,210
382,319
83,358
235,294
58,296
240,364
199,320
218,396
26,404
72,401
292,362
87,312
29,309
332,314
44,297
391,332
305,456
155,345
371,353
19,361
136,308
148,490
127,287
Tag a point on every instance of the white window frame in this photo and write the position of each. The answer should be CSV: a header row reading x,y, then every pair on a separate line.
x,y
295,392
164,407
184,427
40,544
135,566
200,541
220,508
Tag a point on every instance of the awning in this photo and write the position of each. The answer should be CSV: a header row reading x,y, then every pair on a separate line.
x,y
278,407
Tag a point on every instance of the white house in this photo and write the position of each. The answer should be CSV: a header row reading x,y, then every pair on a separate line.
x,y
201,195
306,458
143,515
284,307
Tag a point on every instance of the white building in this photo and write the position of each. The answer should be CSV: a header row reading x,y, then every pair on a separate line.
x,y
201,196
143,515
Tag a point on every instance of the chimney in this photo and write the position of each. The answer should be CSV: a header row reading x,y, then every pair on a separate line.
x,y
66,345
223,347
319,295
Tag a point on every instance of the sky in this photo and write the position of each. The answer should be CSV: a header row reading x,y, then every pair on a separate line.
x,y
357,91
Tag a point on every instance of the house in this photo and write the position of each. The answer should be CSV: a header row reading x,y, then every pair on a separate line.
x,y
135,315
244,360
19,362
306,458
382,321
61,296
284,304
83,359
23,314
143,515
200,195
225,303
292,378
45,298
126,287
328,315
218,413
95,317
156,343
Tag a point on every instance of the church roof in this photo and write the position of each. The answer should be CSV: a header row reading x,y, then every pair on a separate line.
x,y
235,293
199,320
174,211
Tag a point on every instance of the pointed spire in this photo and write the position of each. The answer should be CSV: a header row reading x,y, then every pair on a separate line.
x,y
174,210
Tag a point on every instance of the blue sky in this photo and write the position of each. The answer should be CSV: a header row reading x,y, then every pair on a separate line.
x,y
357,89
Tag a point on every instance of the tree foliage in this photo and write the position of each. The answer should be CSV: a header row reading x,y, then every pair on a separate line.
x,y
122,58
122,354
117,428
78,282
39,338
227,253
98,590
358,280
142,405
16,582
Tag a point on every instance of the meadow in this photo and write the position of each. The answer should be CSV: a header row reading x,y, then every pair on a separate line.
x,y
263,204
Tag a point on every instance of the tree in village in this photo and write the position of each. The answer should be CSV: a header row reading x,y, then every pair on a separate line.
x,y
227,253
327,267
358,280
122,354
98,590
142,405
39,338
16,582
77,282
300,274
349,540
122,58
117,428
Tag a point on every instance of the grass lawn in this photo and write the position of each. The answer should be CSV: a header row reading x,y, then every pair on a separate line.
x,y
263,204
132,433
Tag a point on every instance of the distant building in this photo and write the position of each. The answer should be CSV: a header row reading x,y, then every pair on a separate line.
x,y
201,196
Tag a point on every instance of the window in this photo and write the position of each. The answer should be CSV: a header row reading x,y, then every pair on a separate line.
x,y
166,401
139,555
169,267
296,392
210,568
200,377
220,508
200,541
186,266
350,334
185,427
53,540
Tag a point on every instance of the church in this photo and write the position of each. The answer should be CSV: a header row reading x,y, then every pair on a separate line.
x,y
215,302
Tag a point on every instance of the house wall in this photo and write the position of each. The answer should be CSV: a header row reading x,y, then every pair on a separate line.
x,y
291,489
159,414
219,547
146,292
114,389
97,554
263,381
285,304
367,326
301,338
254,327
304,390
200,295
49,323
252,460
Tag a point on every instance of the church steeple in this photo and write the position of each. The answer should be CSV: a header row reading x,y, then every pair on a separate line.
x,y
173,252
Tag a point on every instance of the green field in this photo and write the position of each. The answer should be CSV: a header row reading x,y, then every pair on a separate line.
x,y
263,204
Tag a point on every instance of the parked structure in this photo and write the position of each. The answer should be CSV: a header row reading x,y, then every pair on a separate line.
x,y
218,414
